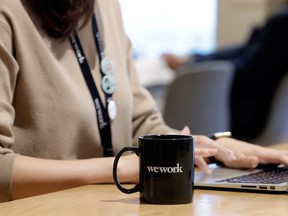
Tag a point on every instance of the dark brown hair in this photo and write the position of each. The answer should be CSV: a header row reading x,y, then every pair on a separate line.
x,y
61,17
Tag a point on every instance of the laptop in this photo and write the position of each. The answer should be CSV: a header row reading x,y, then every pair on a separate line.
x,y
272,179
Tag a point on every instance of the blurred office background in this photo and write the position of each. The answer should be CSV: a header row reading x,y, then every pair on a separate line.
x,y
181,26
185,26
160,26
177,26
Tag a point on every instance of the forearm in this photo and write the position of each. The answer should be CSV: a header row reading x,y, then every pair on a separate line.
x,y
34,176
281,146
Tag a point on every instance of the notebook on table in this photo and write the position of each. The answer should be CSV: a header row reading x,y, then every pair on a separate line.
x,y
271,179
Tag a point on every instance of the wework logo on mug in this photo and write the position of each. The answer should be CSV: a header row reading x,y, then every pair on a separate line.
x,y
154,169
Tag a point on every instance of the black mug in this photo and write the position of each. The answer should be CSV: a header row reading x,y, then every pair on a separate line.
x,y
166,169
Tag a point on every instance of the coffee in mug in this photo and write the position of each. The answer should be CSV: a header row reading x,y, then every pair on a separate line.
x,y
166,169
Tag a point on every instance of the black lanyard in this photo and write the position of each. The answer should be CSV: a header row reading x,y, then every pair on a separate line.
x,y
103,119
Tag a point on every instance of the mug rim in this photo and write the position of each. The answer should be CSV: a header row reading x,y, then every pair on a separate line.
x,y
165,137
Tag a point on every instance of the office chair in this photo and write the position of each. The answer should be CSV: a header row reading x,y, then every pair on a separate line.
x,y
199,97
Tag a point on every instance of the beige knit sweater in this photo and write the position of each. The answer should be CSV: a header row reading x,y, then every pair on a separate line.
x,y
46,110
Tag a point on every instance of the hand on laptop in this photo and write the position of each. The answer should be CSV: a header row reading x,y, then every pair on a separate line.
x,y
206,147
234,153
249,155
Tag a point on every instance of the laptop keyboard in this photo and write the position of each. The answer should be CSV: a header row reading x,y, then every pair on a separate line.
x,y
269,176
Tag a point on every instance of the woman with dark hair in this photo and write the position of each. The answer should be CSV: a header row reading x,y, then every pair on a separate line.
x,y
60,18
70,99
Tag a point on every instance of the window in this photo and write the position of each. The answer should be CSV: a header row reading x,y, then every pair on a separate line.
x,y
178,26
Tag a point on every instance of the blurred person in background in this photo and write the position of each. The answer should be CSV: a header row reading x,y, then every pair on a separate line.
x,y
260,64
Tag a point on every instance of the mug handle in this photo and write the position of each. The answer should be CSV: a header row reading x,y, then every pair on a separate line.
x,y
137,187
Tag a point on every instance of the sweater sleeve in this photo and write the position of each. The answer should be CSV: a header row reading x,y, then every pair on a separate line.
x,y
8,74
146,117
6,164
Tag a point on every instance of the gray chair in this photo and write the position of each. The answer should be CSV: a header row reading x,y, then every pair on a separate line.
x,y
199,97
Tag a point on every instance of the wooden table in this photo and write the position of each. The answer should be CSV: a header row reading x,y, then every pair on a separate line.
x,y
104,200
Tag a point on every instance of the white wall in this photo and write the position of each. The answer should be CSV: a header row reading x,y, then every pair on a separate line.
x,y
177,26
237,17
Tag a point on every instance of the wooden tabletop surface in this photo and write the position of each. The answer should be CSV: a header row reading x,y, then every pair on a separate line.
x,y
107,200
